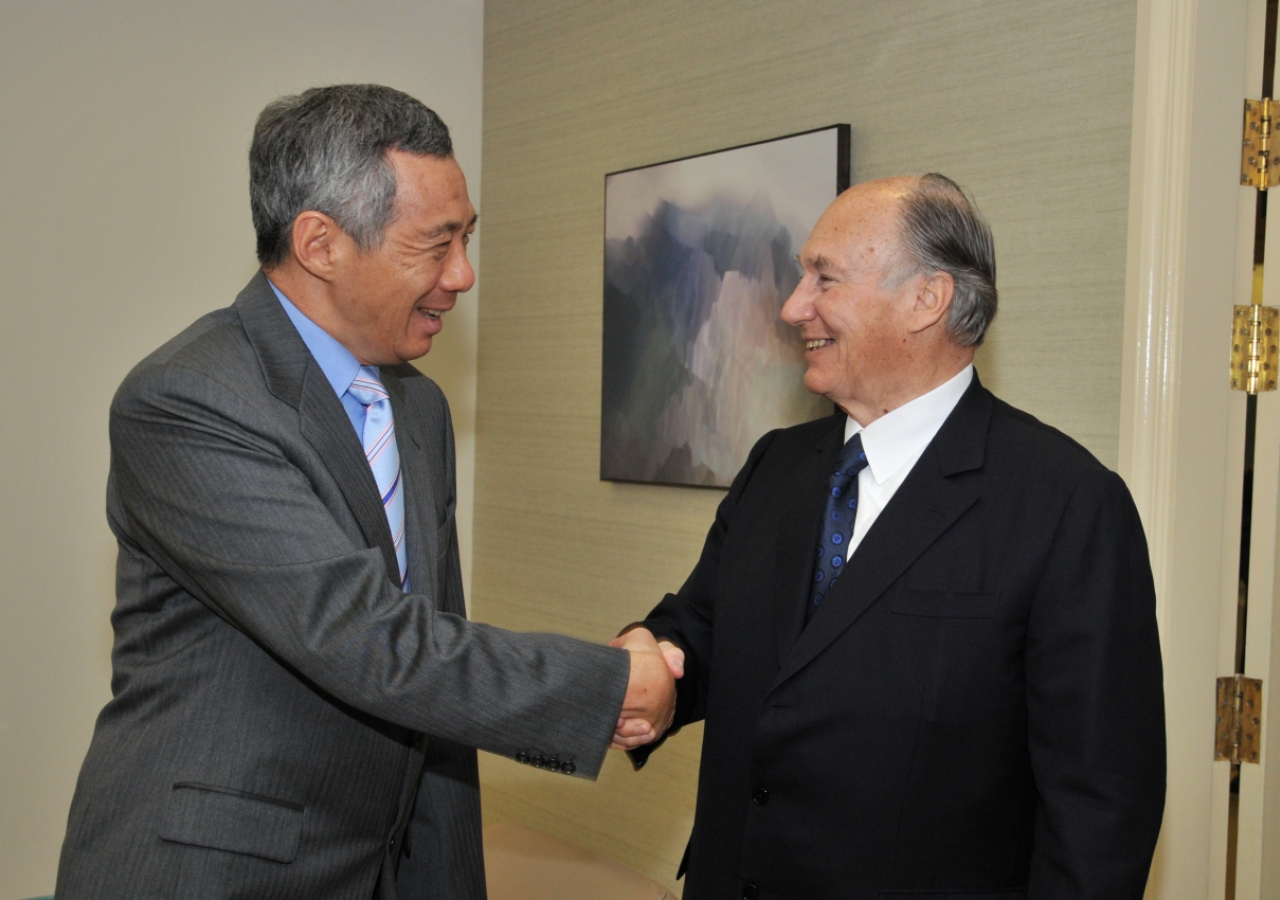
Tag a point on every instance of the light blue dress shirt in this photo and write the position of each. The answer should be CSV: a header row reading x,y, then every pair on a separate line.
x,y
337,362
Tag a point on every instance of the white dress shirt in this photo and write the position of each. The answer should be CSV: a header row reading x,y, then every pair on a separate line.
x,y
893,443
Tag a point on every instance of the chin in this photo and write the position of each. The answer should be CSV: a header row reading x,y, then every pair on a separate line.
x,y
416,350
813,384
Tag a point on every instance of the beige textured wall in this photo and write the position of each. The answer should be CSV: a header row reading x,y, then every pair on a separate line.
x,y
123,132
1027,104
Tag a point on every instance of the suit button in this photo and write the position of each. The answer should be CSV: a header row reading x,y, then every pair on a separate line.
x,y
567,767
522,758
539,761
760,796
750,891
553,764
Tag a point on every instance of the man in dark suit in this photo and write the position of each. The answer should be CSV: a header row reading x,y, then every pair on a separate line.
x,y
296,689
922,631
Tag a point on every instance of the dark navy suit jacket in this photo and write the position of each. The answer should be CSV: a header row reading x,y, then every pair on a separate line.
x,y
976,710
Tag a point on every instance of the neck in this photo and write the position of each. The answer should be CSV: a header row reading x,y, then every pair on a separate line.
x,y
899,391
311,295
303,289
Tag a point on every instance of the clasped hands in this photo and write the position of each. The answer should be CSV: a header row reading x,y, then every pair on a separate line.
x,y
650,702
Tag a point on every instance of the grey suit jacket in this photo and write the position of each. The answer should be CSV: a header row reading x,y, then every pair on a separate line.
x,y
286,722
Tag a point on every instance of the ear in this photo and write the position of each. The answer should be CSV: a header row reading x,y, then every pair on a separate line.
x,y
318,244
933,301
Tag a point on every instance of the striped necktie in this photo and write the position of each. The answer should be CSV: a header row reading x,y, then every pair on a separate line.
x,y
379,441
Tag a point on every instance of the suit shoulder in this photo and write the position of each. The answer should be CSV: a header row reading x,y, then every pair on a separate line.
x,y
207,339
214,346
1017,432
1039,465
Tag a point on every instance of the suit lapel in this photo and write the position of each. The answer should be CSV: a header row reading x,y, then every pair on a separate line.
x,y
798,536
326,427
924,507
420,495
294,376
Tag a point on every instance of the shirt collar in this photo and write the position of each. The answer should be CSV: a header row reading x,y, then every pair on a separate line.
x,y
337,362
900,436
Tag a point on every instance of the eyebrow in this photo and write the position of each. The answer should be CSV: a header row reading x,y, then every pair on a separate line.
x,y
451,227
820,262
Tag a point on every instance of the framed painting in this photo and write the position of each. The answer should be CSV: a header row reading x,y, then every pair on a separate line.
x,y
699,258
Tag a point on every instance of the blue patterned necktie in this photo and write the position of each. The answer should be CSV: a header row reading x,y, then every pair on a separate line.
x,y
837,522
380,449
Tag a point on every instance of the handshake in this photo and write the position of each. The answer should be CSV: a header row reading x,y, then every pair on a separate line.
x,y
650,702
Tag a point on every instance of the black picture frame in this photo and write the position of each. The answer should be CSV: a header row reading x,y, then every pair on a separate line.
x,y
699,256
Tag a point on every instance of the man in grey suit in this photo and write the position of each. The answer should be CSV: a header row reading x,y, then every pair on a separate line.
x,y
296,690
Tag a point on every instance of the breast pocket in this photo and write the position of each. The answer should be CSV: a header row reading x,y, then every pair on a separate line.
x,y
221,818
945,604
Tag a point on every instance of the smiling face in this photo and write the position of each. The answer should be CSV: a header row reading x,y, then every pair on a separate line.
x,y
386,304
861,338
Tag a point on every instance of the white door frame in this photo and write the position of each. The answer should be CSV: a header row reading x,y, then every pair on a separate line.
x,y
1181,429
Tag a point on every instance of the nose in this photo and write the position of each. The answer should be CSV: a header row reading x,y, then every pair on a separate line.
x,y
799,306
458,276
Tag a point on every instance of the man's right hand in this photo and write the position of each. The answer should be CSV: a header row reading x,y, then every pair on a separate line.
x,y
650,701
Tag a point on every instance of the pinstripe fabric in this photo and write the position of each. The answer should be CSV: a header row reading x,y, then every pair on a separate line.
x,y
379,441
286,724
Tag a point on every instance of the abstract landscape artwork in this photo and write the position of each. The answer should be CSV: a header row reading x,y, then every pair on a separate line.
x,y
699,258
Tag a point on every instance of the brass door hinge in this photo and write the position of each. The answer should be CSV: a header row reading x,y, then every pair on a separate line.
x,y
1255,144
1255,348
1239,730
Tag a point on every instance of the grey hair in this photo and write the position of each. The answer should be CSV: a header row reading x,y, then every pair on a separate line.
x,y
326,150
942,231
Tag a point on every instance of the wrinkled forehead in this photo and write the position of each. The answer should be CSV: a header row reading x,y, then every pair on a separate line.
x,y
860,228
431,192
